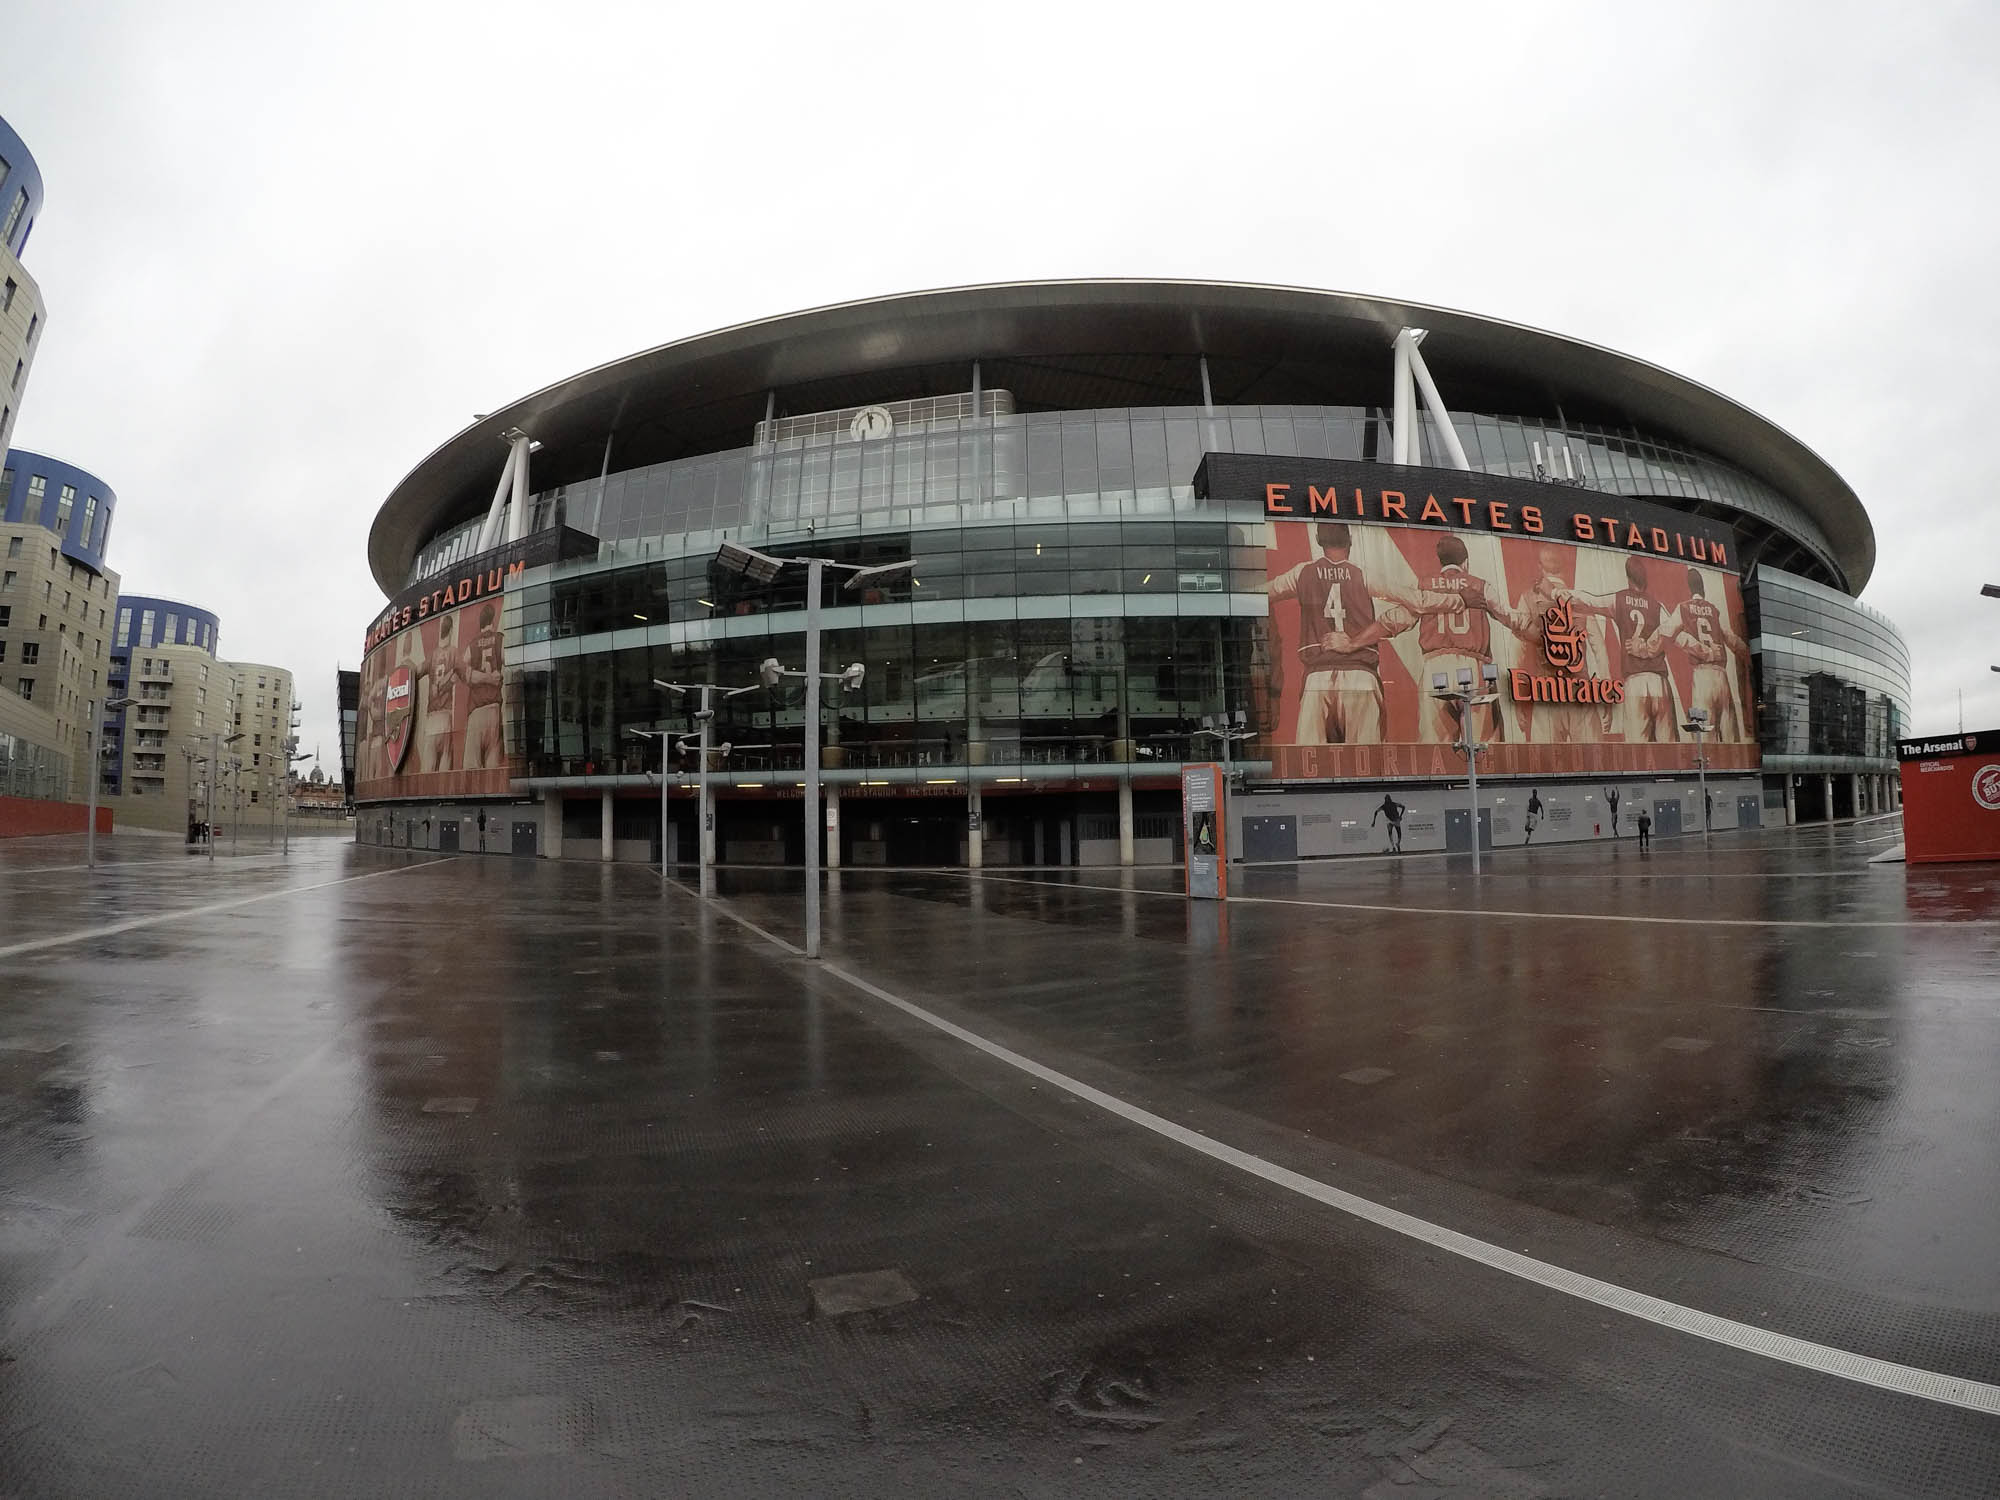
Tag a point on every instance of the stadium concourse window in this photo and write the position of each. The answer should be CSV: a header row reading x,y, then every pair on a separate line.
x,y
1062,690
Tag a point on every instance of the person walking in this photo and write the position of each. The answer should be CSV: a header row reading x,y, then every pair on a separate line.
x,y
1645,831
1534,814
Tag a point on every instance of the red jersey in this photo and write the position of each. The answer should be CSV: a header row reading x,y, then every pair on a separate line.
x,y
1637,617
485,663
1334,598
1703,621
444,680
1467,630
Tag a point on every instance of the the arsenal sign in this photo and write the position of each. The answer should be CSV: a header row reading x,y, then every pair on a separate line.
x,y
399,717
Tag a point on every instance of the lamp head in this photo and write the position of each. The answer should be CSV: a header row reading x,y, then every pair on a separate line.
x,y
1491,673
1437,682
1464,678
854,676
769,672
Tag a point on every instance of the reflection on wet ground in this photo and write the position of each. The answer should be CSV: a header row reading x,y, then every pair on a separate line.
x,y
366,1173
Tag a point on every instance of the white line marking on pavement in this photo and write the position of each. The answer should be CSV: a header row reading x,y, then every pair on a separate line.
x,y
112,866
1492,911
1951,1390
154,919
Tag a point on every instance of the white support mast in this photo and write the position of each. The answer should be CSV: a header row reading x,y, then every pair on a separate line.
x,y
1413,377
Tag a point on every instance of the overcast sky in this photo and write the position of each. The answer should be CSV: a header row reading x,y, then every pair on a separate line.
x,y
289,250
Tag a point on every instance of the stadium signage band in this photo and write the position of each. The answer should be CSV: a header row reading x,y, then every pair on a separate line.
x,y
1321,489
489,572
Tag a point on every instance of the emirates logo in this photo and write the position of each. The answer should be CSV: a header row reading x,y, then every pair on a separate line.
x,y
1562,641
1986,787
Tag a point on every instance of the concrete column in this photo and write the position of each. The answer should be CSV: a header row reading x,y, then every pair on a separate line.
x,y
1791,803
604,848
1125,832
1828,779
975,832
832,795
548,838
1855,778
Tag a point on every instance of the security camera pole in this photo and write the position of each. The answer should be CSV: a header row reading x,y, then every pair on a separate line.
x,y
1467,744
94,758
762,567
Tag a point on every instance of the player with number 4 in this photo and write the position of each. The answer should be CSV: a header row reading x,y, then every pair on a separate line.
x,y
1340,643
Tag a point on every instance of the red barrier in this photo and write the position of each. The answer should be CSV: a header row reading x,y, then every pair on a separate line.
x,y
1951,798
24,817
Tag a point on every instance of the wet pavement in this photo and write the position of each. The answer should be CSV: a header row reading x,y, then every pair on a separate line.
x,y
367,1173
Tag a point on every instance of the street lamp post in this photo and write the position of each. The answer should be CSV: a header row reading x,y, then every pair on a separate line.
x,y
1468,743
762,567
704,717
850,678
1697,725
1228,736
92,755
216,742
292,758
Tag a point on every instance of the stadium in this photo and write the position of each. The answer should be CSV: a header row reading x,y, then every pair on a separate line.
x,y
1080,535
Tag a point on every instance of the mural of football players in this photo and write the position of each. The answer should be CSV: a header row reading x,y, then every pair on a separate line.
x,y
1455,633
1549,723
1702,632
1341,703
1643,634
437,742
483,744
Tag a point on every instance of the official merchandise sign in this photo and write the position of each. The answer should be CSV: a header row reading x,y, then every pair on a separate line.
x,y
1951,798
1204,827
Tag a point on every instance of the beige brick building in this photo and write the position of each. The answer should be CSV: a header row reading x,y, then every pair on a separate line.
x,y
189,700
54,639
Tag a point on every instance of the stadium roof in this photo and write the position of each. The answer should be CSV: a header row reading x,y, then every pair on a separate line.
x,y
1082,345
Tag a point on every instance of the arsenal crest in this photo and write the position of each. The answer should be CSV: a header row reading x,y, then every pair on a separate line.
x,y
399,716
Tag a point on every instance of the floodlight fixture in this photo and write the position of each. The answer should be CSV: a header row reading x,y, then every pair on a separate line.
x,y
1464,678
1437,682
876,570
854,676
748,562
769,672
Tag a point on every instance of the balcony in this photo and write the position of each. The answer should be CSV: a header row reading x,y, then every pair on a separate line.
x,y
158,671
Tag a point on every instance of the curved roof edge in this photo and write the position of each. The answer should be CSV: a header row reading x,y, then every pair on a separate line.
x,y
1078,316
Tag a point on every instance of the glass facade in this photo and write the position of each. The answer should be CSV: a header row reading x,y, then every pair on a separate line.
x,y
1077,465
1832,677
31,770
1002,647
